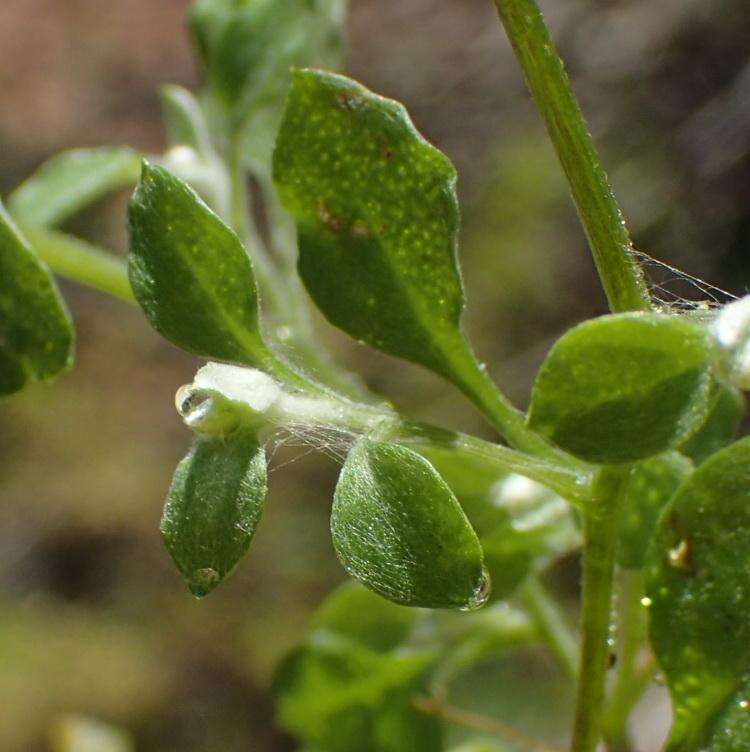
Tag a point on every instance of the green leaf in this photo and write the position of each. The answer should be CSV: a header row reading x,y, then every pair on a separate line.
x,y
624,387
213,508
698,582
398,528
190,272
71,181
356,613
651,485
727,408
520,523
184,119
337,696
377,219
36,333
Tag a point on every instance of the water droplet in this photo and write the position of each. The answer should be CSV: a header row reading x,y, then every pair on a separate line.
x,y
482,593
744,704
204,581
646,602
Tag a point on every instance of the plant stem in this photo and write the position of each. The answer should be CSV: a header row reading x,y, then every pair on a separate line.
x,y
573,484
600,525
81,261
552,625
472,379
629,682
600,215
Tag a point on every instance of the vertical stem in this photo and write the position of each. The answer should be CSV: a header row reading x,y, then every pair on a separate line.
x,y
600,524
552,624
600,215
629,683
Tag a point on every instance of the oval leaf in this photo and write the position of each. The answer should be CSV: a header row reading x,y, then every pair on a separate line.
x,y
213,508
36,333
377,219
698,581
71,181
651,485
398,528
624,387
190,272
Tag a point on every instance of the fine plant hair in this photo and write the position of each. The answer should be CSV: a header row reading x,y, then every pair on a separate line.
x,y
627,456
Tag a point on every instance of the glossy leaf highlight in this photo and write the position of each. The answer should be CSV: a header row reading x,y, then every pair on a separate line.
x,y
398,528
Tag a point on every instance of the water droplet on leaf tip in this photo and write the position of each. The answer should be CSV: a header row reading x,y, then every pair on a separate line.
x,y
481,594
646,602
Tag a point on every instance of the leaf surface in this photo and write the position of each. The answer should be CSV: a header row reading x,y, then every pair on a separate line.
x,y
398,528
698,581
624,387
377,218
71,181
651,484
190,272
36,333
213,508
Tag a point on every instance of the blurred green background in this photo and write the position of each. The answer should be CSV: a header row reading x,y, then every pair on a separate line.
x,y
93,617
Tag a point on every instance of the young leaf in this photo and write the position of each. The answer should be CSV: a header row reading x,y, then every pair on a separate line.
x,y
71,181
183,116
190,272
624,387
337,696
377,218
698,583
36,333
651,485
398,528
356,613
213,508
250,47
727,407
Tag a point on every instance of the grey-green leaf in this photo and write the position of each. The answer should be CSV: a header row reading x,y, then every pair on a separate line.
x,y
213,508
624,387
36,333
71,181
190,272
377,218
398,528
184,119
698,582
651,485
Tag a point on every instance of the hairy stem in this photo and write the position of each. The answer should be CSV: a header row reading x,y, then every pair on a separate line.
x,y
600,524
552,625
600,215
81,261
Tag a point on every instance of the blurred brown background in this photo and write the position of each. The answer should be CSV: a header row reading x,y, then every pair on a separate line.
x,y
93,617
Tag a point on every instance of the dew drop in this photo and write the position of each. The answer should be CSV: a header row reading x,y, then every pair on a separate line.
x,y
481,594
646,602
744,704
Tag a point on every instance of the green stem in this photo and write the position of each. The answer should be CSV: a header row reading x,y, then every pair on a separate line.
x,y
81,261
629,682
472,379
552,625
600,525
573,484
600,215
